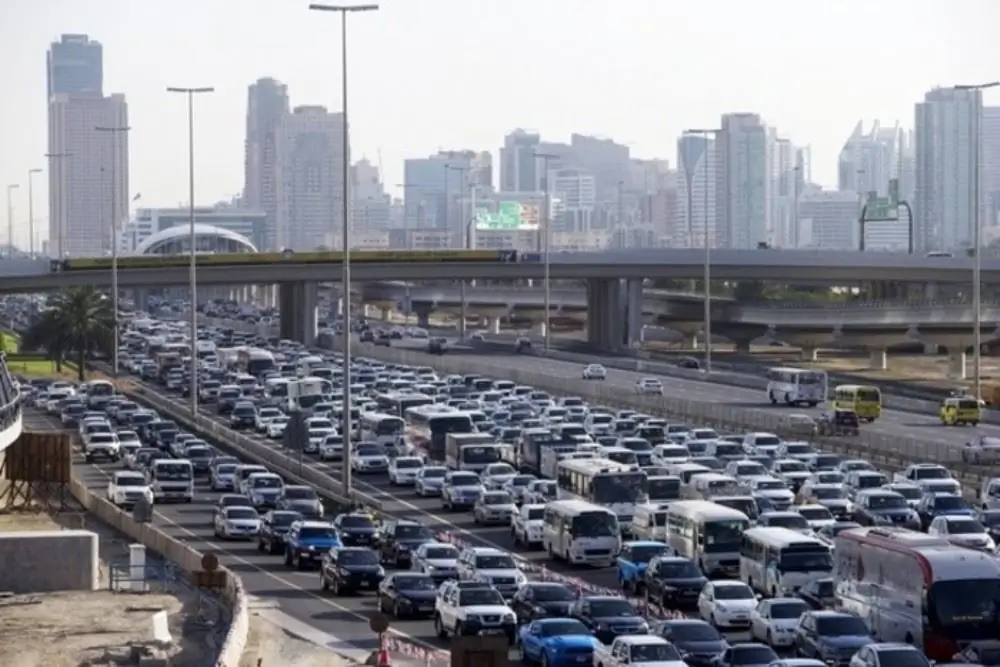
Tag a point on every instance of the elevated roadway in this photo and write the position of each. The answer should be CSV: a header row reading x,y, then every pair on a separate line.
x,y
844,268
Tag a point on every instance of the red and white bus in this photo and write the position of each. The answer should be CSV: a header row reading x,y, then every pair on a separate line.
x,y
914,588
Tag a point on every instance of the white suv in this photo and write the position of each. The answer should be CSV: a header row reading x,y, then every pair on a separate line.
x,y
467,608
649,387
491,566
595,372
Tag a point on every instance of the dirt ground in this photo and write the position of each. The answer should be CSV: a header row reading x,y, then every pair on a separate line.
x,y
272,646
91,629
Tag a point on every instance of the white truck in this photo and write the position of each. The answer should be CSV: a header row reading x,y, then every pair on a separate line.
x,y
918,472
527,525
644,650
457,458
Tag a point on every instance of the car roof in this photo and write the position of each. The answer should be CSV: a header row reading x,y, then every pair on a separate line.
x,y
641,639
644,543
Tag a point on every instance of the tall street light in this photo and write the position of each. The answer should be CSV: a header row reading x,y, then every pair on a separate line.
x,y
345,280
31,211
707,325
977,231
114,132
463,308
10,220
545,245
55,174
191,92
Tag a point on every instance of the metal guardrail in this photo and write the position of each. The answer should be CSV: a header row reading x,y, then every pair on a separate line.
x,y
10,409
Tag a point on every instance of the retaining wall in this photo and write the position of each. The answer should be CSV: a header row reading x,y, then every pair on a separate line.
x,y
47,561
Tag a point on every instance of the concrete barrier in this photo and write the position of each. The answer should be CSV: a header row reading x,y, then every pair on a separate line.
x,y
186,558
51,560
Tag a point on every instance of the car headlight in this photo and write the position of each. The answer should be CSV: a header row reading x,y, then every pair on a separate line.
x,y
720,607
509,618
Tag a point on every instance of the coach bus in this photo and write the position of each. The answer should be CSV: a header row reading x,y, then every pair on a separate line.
x,y
914,588
796,386
603,482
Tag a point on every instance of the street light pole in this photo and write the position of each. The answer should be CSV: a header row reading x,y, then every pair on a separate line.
x,y
545,246
31,212
463,308
55,175
114,132
193,278
977,262
344,10
707,279
10,220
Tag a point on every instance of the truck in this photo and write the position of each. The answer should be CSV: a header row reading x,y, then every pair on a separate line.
x,y
919,472
459,446
533,443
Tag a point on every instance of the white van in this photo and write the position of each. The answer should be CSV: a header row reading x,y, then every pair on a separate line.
x,y
581,533
707,533
776,561
650,522
305,366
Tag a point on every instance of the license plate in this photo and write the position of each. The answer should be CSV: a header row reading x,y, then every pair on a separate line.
x,y
582,658
491,631
368,584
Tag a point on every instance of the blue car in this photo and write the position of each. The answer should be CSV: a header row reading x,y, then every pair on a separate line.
x,y
632,562
307,541
557,642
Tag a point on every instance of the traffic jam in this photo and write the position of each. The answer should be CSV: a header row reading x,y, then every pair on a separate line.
x,y
727,549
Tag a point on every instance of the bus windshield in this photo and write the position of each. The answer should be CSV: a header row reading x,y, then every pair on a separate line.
x,y
967,609
595,524
724,535
869,394
811,560
663,489
617,488
389,426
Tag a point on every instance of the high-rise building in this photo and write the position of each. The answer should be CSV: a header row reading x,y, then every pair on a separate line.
x,y
947,141
267,105
696,168
75,64
785,190
573,199
88,175
991,165
433,184
744,181
606,160
310,179
518,164
481,174
828,219
869,160
372,206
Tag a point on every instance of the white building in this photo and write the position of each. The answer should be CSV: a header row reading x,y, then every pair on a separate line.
x,y
88,172
947,132
745,181
991,164
148,222
518,164
372,206
310,183
267,105
573,197
828,220
433,184
696,167
869,160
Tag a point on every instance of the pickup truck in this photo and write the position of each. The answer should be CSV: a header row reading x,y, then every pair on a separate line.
x,y
633,559
651,650
918,472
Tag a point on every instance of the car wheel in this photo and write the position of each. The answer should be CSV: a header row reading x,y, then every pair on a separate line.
x,y
439,628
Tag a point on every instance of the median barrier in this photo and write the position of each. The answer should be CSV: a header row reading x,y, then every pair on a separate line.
x,y
288,467
187,559
889,452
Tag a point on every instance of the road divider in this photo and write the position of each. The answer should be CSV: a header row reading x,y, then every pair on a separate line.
x,y
187,559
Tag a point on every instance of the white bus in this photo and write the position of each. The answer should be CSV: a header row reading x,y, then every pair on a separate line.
x,y
581,533
255,361
707,533
398,402
386,430
910,587
795,386
602,482
432,424
776,561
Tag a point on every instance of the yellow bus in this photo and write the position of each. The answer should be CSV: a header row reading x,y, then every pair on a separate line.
x,y
266,258
864,400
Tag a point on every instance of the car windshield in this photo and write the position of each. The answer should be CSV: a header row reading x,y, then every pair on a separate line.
x,y
480,596
408,463
964,527
266,482
643,553
441,553
948,503
414,583
990,518
370,450
679,570
904,657
317,533
553,593
500,469
357,557
522,480
908,492
734,592
495,562
497,498
771,485
694,632
131,479
299,493
465,480
753,655
411,531
284,519
788,609
434,473
606,608
655,653
563,627
356,521
829,492
887,502
815,513
840,625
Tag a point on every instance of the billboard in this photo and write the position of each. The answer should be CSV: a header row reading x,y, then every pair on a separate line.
x,y
509,215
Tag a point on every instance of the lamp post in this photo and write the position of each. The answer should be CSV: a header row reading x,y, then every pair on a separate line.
x,y
115,132
193,278
344,10
977,231
10,220
707,325
544,244
55,175
463,307
31,212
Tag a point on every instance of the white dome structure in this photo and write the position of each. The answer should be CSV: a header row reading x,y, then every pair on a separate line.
x,y
208,239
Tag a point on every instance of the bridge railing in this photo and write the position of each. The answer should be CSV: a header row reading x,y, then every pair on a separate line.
x,y
10,406
865,305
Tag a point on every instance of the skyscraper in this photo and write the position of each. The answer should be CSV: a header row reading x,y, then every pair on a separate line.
x,y
309,182
991,164
869,160
518,168
744,179
74,64
267,105
947,141
696,166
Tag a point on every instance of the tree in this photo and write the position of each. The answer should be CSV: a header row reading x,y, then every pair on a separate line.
x,y
78,323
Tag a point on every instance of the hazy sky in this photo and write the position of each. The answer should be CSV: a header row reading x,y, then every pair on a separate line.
x,y
455,74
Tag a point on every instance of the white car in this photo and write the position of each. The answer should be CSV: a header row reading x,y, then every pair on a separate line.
x,y
127,487
403,470
494,507
774,621
526,527
332,448
263,489
437,559
369,457
774,489
275,428
237,523
492,566
430,480
595,372
637,651
265,416
817,516
649,387
965,531
497,474
727,604
540,491
101,446
457,603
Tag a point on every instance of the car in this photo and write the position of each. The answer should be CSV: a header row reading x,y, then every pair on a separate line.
x,y
301,499
831,636
837,423
527,524
407,595
933,505
400,538
237,523
556,642
818,593
875,507
429,481
491,565
648,387
890,654
273,527
746,655
632,561
672,582
127,488
981,449
306,542
542,599
727,604
697,640
275,428
609,617
464,608
650,650
403,470
222,477
595,372
773,621
964,531
438,559
350,569
263,488
493,508
356,529
229,500
517,486
460,490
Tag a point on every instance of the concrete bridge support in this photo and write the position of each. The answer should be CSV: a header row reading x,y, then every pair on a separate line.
x,y
957,364
810,354
878,359
614,310
298,303
493,325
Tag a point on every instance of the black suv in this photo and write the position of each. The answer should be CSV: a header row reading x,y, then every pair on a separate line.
x,y
273,527
400,539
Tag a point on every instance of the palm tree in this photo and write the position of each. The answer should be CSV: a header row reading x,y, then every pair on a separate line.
x,y
79,322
